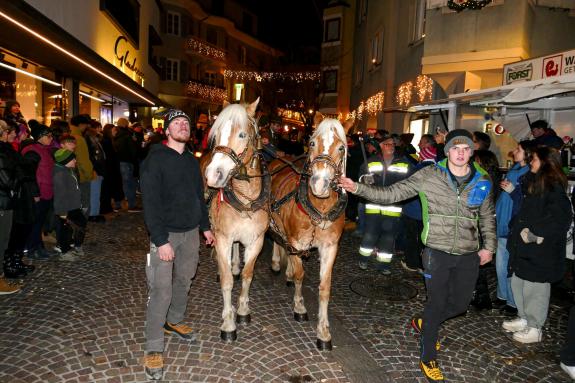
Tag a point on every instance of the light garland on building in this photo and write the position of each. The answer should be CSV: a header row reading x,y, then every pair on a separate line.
x,y
270,76
206,92
460,5
424,87
205,50
371,106
404,93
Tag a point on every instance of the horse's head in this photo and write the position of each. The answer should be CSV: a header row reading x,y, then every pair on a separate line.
x,y
327,156
231,136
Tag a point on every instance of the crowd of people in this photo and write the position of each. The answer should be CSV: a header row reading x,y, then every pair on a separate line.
x,y
456,211
55,179
447,207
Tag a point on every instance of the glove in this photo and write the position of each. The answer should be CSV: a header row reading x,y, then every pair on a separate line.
x,y
528,237
507,186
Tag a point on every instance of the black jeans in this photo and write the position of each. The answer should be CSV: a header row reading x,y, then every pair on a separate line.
x,y
450,280
71,229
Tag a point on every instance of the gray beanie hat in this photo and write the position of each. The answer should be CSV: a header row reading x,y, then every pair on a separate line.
x,y
458,137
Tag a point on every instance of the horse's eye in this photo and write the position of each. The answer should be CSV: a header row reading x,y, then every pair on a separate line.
x,y
242,135
312,144
341,148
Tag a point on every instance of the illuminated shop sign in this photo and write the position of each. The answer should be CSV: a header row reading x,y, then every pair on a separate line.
x,y
122,53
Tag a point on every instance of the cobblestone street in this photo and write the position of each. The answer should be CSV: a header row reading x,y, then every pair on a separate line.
x,y
84,322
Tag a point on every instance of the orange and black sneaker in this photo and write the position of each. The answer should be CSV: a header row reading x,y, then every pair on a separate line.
x,y
416,324
431,371
154,364
181,330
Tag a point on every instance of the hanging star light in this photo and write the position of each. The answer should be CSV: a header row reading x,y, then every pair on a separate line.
x,y
372,106
204,49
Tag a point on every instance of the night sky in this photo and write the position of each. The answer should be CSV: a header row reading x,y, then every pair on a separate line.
x,y
297,23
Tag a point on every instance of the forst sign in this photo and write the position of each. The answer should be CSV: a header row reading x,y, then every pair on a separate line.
x,y
559,64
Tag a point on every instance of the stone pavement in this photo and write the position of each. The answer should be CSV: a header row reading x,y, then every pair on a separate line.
x,y
84,321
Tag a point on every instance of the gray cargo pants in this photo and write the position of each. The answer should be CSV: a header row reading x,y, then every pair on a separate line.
x,y
168,285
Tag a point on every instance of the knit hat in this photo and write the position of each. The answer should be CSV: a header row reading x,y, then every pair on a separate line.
x,y
458,137
63,156
67,137
38,130
428,153
171,114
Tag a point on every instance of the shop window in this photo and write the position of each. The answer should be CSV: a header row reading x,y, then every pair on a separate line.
x,y
332,30
172,69
210,78
376,50
418,21
173,23
125,14
330,81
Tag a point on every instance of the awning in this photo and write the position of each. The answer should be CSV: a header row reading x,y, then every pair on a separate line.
x,y
555,93
28,39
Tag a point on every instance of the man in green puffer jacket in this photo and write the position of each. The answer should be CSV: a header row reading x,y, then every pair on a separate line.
x,y
458,209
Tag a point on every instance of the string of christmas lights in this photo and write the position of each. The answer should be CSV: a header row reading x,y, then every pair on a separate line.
x,y
424,87
270,76
205,49
206,92
460,5
371,106
404,93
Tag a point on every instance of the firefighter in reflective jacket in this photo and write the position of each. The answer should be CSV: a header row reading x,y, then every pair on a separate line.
x,y
382,221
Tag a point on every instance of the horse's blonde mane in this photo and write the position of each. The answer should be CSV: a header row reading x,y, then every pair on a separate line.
x,y
237,114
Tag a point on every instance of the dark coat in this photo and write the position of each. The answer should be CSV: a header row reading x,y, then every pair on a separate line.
x,y
125,146
24,205
548,216
67,196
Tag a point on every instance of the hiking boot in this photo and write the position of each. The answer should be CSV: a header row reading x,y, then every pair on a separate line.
x,y
13,269
25,266
431,371
528,335
514,325
7,287
181,330
154,364
416,324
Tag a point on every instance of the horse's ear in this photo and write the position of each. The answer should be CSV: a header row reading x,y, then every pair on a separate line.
x,y
317,118
348,124
225,103
252,107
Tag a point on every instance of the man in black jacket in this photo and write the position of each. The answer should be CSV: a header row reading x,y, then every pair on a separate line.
x,y
175,212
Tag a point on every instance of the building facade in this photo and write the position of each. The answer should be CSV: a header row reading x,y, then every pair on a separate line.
x,y
64,57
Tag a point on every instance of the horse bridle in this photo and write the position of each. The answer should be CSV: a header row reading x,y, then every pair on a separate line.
x,y
239,171
325,159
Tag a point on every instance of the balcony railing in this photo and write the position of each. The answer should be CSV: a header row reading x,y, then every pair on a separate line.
x,y
205,92
203,48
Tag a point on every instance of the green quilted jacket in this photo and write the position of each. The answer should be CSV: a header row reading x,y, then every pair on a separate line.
x,y
455,220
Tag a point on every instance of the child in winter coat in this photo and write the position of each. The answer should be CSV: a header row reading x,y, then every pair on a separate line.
x,y
71,222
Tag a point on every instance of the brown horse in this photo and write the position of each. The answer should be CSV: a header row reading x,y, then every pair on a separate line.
x,y
239,210
307,212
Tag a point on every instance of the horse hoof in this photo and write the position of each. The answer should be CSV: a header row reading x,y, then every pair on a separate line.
x,y
275,272
323,345
228,336
237,277
245,319
300,317
290,284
